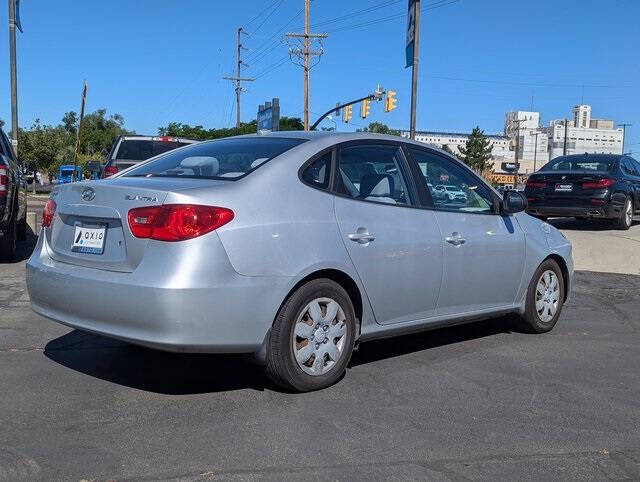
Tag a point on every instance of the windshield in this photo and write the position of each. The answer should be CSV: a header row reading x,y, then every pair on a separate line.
x,y
141,150
222,159
579,164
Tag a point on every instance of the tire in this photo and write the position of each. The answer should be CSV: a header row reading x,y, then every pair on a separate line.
x,y
21,228
533,320
624,221
286,340
8,241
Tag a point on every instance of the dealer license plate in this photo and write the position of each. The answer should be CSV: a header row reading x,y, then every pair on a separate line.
x,y
89,239
564,187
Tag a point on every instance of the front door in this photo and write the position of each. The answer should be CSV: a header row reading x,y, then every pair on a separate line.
x,y
395,248
483,251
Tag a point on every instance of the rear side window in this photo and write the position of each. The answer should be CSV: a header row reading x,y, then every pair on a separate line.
x,y
628,167
372,173
317,174
221,159
141,150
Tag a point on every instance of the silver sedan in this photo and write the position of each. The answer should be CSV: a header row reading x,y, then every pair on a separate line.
x,y
292,246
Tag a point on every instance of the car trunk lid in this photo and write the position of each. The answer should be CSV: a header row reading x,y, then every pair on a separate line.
x,y
566,188
103,206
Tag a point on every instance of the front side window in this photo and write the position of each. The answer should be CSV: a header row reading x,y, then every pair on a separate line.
x,y
226,159
372,173
452,187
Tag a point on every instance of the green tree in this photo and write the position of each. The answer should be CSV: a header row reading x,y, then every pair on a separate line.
x,y
177,129
379,128
477,151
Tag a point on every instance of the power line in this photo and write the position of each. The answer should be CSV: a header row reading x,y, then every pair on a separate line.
x,y
269,15
261,13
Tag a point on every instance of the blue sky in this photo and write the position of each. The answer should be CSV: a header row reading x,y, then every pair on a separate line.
x,y
155,61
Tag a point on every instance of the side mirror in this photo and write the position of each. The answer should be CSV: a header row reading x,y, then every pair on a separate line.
x,y
513,202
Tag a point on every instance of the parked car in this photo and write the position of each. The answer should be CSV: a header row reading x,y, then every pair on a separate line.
x,y
451,193
128,150
65,174
13,200
594,186
31,175
263,244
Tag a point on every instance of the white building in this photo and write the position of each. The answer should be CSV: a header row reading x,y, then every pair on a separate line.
x,y
584,134
500,144
532,143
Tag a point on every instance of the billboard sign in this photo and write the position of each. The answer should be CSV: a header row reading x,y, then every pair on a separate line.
x,y
269,115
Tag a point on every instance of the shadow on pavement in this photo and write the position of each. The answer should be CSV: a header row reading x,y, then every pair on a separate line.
x,y
23,248
181,373
574,224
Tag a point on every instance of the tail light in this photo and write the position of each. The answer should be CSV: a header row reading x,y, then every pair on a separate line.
x,y
176,222
47,214
4,181
109,171
599,184
536,184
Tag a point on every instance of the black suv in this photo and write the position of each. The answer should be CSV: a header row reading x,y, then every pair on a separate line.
x,y
598,186
13,200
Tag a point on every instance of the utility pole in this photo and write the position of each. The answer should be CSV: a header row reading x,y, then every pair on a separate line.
x,y
624,133
564,149
238,79
517,152
414,70
75,157
306,54
535,149
14,78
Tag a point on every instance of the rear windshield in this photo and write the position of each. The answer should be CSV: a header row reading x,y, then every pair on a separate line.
x,y
221,159
141,150
579,164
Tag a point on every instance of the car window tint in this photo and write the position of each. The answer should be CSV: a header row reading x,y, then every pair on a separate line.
x,y
317,174
636,165
225,159
628,167
451,186
372,173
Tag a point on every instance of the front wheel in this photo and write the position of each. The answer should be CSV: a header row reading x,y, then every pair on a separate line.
x,y
312,337
545,298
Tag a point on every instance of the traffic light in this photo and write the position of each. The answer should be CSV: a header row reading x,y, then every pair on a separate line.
x,y
390,102
365,108
346,113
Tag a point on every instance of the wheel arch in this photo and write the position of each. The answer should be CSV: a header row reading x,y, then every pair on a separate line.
x,y
565,272
345,281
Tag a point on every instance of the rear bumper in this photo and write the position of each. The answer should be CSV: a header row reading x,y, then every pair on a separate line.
x,y
596,211
228,314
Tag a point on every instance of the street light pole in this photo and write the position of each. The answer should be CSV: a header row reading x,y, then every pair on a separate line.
x,y
414,70
535,149
14,80
624,133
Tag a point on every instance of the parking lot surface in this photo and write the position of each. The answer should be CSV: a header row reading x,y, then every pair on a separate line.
x,y
477,402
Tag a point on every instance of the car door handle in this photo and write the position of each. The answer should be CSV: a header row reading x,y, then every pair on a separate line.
x,y
456,239
362,238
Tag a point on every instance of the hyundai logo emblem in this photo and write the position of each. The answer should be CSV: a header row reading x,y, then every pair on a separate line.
x,y
88,194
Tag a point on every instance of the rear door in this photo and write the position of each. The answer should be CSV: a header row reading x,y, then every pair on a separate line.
x,y
395,246
631,168
483,251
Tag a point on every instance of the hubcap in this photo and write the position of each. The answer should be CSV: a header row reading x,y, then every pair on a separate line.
x,y
319,336
547,296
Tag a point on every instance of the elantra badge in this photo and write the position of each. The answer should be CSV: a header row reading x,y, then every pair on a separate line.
x,y
130,197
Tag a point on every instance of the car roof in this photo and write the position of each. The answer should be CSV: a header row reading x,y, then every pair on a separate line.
x,y
142,137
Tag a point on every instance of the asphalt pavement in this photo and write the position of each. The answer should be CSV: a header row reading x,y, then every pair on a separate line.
x,y
475,402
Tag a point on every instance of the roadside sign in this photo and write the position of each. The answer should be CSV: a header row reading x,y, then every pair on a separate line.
x,y
268,118
411,26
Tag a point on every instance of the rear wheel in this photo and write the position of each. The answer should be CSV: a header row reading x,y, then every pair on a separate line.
x,y
625,219
312,337
8,241
545,298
